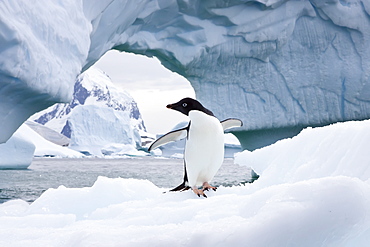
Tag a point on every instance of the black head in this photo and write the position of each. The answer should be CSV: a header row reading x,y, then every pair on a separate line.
x,y
187,104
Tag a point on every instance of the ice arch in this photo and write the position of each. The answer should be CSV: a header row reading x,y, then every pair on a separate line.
x,y
278,65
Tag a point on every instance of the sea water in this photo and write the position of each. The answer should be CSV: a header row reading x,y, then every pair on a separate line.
x,y
45,173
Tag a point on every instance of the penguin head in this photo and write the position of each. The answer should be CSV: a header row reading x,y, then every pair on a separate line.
x,y
188,104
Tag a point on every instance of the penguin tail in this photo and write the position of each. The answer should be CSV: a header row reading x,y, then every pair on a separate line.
x,y
181,187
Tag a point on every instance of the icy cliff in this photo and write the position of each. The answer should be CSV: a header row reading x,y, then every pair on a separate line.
x,y
278,65
99,114
43,47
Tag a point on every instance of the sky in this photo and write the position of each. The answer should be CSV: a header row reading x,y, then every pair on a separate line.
x,y
151,85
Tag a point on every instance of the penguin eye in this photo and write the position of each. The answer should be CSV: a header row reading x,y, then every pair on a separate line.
x,y
184,105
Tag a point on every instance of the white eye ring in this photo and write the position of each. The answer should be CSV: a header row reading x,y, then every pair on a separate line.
x,y
184,105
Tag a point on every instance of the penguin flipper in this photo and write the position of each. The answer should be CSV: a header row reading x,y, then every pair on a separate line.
x,y
169,137
231,123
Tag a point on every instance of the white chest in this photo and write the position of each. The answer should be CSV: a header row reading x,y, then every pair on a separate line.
x,y
204,151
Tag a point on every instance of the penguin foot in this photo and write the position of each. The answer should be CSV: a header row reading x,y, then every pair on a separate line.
x,y
207,186
199,192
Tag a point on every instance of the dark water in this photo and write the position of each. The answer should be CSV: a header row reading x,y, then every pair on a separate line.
x,y
46,173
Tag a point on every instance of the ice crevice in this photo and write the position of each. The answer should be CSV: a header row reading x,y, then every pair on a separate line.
x,y
351,33
287,87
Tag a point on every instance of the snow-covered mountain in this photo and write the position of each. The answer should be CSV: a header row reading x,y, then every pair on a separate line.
x,y
99,114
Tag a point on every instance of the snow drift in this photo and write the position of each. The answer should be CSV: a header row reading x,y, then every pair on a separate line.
x,y
278,65
302,198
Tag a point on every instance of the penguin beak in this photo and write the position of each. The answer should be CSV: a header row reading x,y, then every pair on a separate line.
x,y
177,107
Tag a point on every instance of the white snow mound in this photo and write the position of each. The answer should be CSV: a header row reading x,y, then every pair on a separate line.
x,y
313,191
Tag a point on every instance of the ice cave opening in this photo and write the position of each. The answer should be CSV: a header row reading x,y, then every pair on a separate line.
x,y
152,85
269,64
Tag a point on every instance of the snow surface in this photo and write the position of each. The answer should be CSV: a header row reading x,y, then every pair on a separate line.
x,y
278,65
313,191
341,149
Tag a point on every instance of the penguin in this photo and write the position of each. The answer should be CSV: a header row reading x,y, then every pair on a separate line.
x,y
204,148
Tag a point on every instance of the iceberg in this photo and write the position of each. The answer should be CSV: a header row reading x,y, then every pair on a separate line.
x,y
48,134
278,65
42,48
45,148
25,143
93,127
313,191
18,151
99,114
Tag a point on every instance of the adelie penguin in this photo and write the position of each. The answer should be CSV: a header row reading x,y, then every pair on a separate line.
x,y
204,149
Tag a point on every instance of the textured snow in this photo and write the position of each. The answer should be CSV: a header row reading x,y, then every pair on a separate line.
x,y
339,149
278,65
313,191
